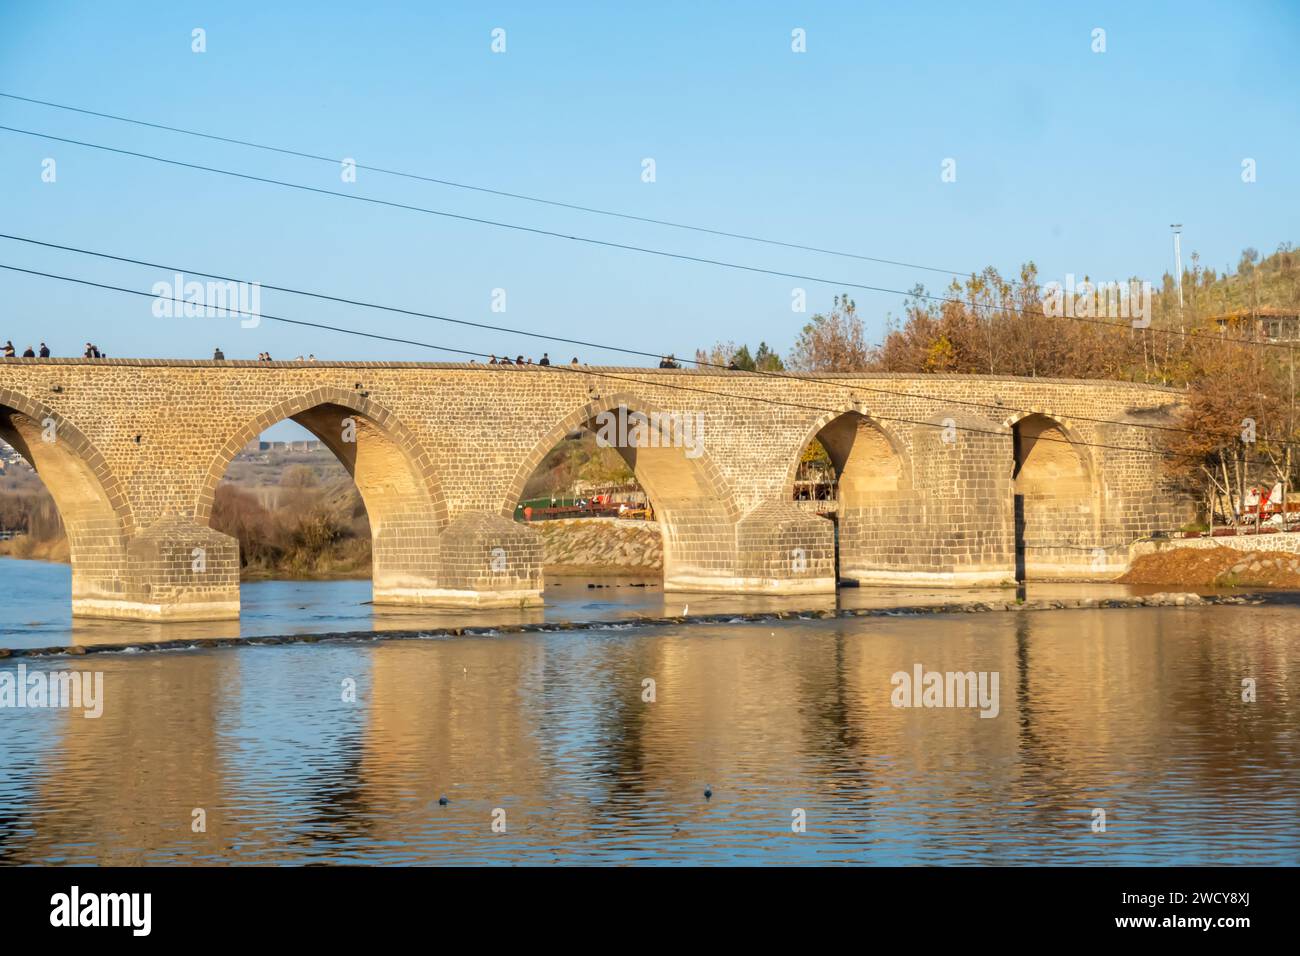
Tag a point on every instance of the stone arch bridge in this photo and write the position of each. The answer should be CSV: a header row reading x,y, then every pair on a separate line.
x,y
949,480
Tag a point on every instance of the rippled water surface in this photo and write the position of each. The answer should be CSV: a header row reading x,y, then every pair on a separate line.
x,y
38,607
1137,712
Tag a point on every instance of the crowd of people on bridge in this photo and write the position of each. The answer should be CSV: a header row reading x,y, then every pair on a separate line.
x,y
544,361
94,351
505,360
27,352
220,356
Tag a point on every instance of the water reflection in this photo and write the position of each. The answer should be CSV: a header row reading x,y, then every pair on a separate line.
x,y
1135,711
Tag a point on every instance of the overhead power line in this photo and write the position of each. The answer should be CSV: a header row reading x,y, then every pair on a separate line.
x,y
419,177
587,370
584,343
609,244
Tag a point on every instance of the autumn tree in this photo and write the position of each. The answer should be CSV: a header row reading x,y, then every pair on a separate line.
x,y
833,342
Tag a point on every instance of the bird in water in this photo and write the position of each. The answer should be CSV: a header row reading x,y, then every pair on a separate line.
x,y
708,793
442,801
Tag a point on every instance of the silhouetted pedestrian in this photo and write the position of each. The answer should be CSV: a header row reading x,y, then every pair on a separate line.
x,y
9,349
45,350
218,355
28,353
546,359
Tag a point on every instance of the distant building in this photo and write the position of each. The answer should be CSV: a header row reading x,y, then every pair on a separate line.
x,y
261,449
1273,324
9,458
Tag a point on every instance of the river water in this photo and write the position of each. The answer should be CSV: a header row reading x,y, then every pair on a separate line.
x,y
550,736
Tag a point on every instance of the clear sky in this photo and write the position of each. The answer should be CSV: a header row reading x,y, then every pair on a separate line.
x,y
1075,159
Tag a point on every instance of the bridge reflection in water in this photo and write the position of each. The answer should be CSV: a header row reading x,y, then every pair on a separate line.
x,y
1135,711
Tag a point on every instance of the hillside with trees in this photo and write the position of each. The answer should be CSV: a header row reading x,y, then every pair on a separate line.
x,y
1228,344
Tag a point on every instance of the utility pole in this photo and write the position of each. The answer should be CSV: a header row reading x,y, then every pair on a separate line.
x,y
1177,227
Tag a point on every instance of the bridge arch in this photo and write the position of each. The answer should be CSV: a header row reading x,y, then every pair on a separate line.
x,y
1066,453
91,501
873,475
859,446
1057,495
394,473
665,473
692,500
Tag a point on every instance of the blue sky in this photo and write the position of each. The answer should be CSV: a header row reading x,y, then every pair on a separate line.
x,y
1075,159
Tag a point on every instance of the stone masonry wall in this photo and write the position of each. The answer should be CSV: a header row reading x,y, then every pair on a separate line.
x,y
459,441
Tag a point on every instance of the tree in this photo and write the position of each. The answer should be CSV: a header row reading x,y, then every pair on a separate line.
x,y
725,353
834,342
765,360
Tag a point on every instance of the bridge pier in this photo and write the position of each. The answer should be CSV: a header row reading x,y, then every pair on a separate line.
x,y
781,549
174,570
775,549
404,560
487,560
945,520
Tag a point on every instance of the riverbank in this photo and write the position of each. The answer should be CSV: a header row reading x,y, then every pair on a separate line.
x,y
600,546
1215,567
26,548
595,547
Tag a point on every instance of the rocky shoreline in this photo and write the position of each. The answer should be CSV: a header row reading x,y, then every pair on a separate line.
x,y
1214,566
1170,599
597,546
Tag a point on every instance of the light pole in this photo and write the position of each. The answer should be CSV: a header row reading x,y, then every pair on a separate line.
x,y
1177,227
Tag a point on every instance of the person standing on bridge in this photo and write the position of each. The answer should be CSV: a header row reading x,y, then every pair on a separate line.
x,y
45,350
9,349
28,353
546,359
218,355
